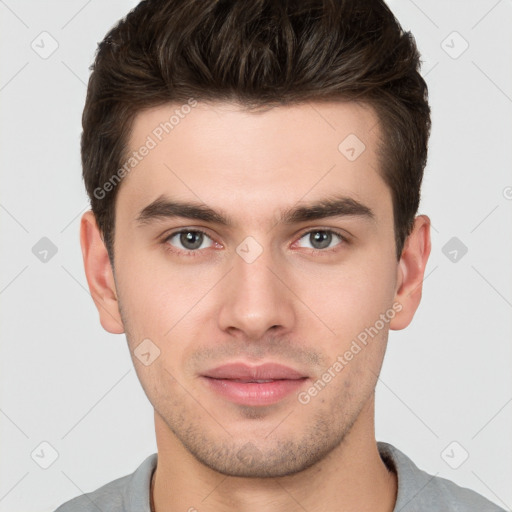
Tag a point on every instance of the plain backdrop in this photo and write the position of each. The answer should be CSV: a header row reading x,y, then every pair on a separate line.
x,y
73,415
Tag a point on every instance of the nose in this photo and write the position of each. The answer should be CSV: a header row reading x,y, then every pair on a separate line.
x,y
256,298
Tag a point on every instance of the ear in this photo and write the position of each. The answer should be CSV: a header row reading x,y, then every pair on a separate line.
x,y
99,274
410,272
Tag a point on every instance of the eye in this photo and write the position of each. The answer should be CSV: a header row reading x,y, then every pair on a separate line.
x,y
321,239
190,240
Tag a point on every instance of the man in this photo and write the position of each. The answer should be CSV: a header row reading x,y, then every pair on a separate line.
x,y
254,170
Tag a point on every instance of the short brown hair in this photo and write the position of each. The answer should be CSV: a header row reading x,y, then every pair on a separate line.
x,y
258,53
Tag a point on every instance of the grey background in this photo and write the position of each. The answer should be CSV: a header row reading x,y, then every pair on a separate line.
x,y
445,389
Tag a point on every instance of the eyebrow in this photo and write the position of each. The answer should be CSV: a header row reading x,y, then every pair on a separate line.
x,y
339,206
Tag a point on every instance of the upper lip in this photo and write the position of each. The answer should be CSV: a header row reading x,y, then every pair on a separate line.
x,y
244,371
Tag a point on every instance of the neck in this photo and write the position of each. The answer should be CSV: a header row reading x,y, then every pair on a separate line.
x,y
351,477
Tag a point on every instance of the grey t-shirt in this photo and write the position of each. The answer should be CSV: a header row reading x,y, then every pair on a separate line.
x,y
418,491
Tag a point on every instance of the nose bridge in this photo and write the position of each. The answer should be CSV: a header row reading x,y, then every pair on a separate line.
x,y
255,299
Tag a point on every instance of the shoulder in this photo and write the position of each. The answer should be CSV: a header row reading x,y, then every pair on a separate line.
x,y
126,494
107,497
419,490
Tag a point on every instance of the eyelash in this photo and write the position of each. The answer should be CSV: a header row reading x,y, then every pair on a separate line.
x,y
189,253
194,253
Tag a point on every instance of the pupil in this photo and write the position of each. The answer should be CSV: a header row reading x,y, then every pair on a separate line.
x,y
191,239
322,237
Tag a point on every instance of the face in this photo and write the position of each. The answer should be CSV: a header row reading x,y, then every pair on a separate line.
x,y
221,259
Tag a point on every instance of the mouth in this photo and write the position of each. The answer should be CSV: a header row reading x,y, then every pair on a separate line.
x,y
265,384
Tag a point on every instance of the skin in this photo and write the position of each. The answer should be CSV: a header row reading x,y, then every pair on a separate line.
x,y
291,305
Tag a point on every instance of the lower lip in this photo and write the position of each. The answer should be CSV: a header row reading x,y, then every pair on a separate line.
x,y
254,393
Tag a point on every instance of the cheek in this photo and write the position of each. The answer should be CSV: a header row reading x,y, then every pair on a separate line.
x,y
349,297
157,296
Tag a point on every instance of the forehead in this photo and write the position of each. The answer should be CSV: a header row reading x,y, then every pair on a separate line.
x,y
225,156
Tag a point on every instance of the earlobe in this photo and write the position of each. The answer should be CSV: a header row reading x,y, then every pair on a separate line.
x,y
98,271
411,271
